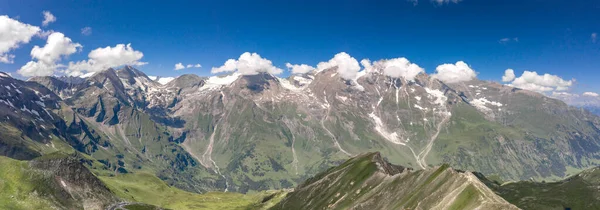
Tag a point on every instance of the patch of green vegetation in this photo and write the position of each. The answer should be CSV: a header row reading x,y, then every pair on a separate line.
x,y
19,186
467,198
141,206
146,188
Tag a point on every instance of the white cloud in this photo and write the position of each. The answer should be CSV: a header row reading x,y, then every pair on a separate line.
x,y
531,80
591,94
86,31
179,66
585,99
57,46
48,18
396,68
299,68
594,37
452,73
103,58
12,34
37,68
248,64
440,2
509,75
347,65
507,40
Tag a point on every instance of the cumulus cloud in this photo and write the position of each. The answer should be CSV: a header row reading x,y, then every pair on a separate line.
x,y
509,75
591,94
396,68
37,68
347,65
531,80
45,33
57,46
299,68
248,64
48,18
594,37
179,66
103,58
86,31
12,34
453,73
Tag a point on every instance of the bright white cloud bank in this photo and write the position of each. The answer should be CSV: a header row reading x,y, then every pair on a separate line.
x,y
453,73
12,34
396,68
48,18
248,64
591,94
103,58
531,80
347,65
57,46
299,68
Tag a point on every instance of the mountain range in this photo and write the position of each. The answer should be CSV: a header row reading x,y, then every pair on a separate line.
x,y
253,133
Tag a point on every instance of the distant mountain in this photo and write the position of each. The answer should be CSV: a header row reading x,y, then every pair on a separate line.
x,y
256,132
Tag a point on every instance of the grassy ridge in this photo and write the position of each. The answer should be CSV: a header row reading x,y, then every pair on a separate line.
x,y
146,188
18,186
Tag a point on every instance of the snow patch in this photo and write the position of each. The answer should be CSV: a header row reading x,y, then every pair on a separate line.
x,y
438,95
216,82
288,85
301,80
481,104
4,75
165,80
341,98
392,137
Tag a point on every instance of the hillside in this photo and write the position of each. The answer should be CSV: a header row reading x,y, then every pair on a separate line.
x,y
369,182
249,133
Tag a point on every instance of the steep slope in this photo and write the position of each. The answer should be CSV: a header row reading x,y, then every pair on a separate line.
x,y
369,182
256,132
51,182
100,119
581,191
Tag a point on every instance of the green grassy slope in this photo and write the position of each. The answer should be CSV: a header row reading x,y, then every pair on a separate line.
x,y
55,181
580,191
369,182
147,188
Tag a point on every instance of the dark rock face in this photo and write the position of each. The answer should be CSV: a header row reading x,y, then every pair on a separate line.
x,y
70,183
388,168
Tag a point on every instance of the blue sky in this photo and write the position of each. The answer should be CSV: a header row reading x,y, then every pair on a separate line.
x,y
554,36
